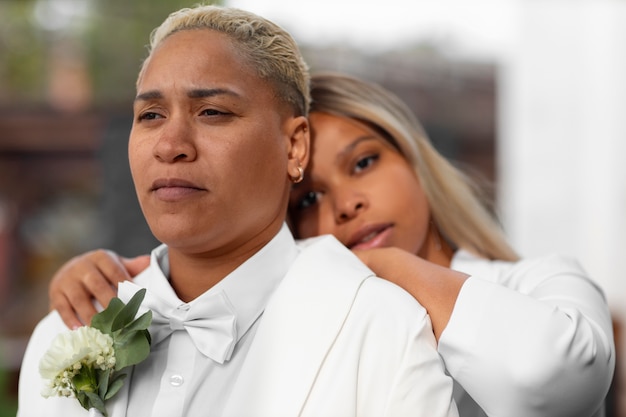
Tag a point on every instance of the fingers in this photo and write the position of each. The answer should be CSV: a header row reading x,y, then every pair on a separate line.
x,y
98,273
111,267
135,265
93,275
77,314
65,289
60,303
83,278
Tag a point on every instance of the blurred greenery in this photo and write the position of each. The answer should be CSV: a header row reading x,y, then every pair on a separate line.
x,y
8,404
110,35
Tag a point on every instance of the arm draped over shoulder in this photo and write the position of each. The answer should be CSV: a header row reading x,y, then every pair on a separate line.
x,y
532,338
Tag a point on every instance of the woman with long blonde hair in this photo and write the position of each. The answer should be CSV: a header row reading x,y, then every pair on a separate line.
x,y
528,337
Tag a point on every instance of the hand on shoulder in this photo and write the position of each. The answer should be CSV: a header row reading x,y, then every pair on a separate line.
x,y
91,276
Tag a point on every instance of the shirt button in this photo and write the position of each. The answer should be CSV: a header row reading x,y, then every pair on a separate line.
x,y
176,380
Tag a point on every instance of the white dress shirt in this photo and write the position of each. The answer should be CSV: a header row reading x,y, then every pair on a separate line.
x,y
176,379
190,384
529,338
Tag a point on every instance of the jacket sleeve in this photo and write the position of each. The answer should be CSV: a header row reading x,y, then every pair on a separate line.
x,y
30,401
531,339
399,352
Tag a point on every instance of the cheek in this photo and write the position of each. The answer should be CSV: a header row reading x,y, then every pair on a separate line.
x,y
139,157
407,192
256,174
417,212
134,160
407,204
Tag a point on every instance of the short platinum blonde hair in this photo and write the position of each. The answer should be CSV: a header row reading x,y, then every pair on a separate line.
x,y
456,203
271,51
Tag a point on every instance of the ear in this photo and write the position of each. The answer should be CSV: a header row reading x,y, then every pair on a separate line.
x,y
299,145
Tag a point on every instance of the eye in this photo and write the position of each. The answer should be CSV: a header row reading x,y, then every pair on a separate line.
x,y
212,112
365,162
308,200
149,116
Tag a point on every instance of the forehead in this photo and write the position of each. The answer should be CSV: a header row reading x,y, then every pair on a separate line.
x,y
333,129
197,57
341,135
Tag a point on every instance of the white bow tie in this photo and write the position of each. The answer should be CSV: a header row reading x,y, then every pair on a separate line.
x,y
210,323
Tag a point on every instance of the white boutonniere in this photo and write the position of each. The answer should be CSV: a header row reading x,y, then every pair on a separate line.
x,y
87,363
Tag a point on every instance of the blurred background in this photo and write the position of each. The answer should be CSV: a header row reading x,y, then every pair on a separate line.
x,y
528,95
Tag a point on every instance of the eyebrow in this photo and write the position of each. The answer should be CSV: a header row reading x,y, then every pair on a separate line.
x,y
349,148
193,93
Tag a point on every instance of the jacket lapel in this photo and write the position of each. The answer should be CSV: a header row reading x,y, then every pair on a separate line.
x,y
299,327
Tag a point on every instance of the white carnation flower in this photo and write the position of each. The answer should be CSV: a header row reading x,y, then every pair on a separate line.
x,y
82,363
69,352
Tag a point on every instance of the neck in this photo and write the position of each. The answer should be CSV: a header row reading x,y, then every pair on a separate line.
x,y
192,273
436,249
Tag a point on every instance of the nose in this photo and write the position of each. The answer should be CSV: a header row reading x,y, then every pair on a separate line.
x,y
176,142
348,205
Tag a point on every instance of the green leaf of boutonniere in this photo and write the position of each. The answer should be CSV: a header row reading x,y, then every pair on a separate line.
x,y
86,363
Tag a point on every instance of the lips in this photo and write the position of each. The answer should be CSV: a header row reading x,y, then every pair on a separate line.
x,y
174,189
371,236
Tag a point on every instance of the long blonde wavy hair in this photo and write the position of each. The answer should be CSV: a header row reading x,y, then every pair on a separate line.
x,y
456,202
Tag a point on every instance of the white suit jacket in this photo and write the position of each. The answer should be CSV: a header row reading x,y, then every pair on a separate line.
x,y
334,340
531,338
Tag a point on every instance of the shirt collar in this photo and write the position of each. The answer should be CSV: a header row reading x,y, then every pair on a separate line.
x,y
248,288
